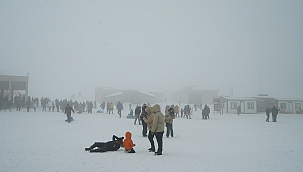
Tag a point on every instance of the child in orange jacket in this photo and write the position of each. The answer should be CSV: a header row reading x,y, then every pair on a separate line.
x,y
128,143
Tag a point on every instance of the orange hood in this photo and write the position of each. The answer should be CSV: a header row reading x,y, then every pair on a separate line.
x,y
128,135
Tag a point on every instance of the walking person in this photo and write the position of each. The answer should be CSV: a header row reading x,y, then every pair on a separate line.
x,y
68,112
137,114
169,117
158,127
120,108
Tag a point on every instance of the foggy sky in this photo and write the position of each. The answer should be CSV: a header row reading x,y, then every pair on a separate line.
x,y
70,46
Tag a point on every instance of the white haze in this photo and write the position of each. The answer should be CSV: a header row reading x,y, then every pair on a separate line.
x,y
71,46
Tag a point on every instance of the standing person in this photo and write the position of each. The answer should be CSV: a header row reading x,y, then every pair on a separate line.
x,y
176,110
274,113
187,111
28,103
267,113
149,121
239,109
137,113
68,112
49,105
35,105
107,108
158,127
102,107
169,117
80,108
120,108
18,104
57,104
144,125
111,107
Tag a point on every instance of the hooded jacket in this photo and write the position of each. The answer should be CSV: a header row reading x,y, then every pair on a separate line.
x,y
149,119
128,143
169,117
158,120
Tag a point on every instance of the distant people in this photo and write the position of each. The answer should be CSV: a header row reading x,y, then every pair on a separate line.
x,y
267,111
239,109
149,121
68,111
107,108
169,117
158,127
137,114
119,108
112,145
144,125
128,143
274,113
18,104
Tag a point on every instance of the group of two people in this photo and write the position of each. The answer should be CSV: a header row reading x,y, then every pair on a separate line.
x,y
155,122
274,111
114,144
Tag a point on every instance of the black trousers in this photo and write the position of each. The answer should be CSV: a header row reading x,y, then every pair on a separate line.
x,y
159,137
151,139
169,130
101,147
144,129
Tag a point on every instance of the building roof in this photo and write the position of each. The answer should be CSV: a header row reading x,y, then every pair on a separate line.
x,y
240,98
146,93
115,94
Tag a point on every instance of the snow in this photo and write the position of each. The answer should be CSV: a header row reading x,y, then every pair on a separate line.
x,y
43,141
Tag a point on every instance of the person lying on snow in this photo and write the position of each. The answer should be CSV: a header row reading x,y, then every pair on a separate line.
x,y
128,143
113,145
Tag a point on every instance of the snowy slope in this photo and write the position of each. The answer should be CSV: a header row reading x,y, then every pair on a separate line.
x,y
42,141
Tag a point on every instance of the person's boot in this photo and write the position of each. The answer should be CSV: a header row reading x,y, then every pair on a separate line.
x,y
152,149
88,149
158,153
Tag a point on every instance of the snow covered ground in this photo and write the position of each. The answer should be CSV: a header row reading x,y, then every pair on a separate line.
x,y
42,141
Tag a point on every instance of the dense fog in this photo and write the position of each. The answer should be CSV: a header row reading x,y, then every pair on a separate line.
x,y
69,47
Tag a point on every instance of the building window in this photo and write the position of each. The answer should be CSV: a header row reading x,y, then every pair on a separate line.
x,y
298,105
250,105
283,105
233,105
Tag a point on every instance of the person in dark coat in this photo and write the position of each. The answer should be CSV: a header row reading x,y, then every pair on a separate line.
x,y
205,112
112,145
137,114
68,112
274,113
267,113
144,124
28,103
119,107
